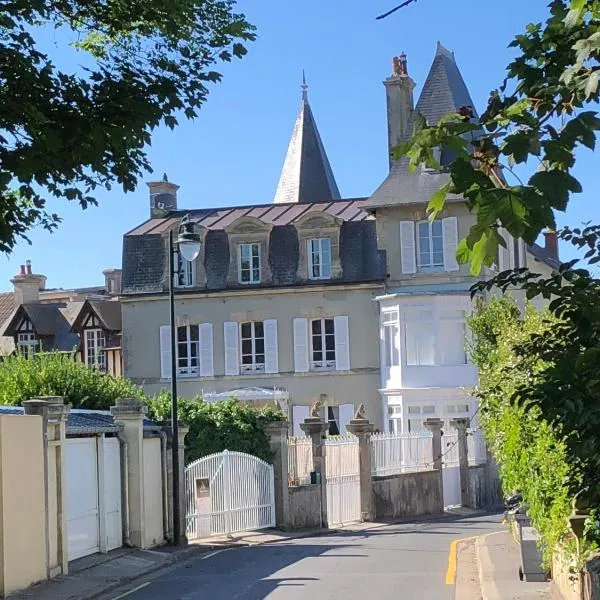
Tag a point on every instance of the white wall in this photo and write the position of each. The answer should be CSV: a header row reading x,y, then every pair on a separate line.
x,y
153,507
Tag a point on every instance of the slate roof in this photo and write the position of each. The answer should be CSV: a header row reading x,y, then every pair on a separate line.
x,y
306,175
145,260
443,93
107,311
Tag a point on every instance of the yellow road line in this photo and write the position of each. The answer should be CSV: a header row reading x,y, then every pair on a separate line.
x,y
452,559
137,589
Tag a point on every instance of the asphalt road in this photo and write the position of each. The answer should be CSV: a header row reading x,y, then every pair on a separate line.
x,y
408,561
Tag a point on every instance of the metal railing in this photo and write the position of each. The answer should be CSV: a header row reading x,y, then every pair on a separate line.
x,y
400,453
300,460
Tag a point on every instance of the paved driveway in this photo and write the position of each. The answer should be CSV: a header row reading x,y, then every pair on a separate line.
x,y
407,561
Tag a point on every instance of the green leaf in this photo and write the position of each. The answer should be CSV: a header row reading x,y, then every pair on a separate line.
x,y
555,186
592,84
438,200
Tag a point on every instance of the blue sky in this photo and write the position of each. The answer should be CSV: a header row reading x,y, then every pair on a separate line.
x,y
232,154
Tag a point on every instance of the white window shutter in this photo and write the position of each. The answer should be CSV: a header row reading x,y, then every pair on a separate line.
x,y
346,415
206,350
450,237
301,364
232,355
342,344
407,247
271,350
503,253
165,352
299,413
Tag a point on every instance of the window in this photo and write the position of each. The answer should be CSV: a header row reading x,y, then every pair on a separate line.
x,y
418,414
253,347
323,344
185,275
391,338
333,419
420,338
431,245
395,419
95,358
319,258
249,266
188,350
27,344
452,337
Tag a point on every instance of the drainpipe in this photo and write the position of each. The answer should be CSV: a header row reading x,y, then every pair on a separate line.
x,y
165,493
124,455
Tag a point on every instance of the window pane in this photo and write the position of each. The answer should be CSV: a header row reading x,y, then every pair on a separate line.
x,y
330,342
260,346
259,329
194,333
260,359
329,326
317,343
436,229
245,252
182,334
247,359
330,355
316,327
246,346
255,251
246,330
424,231
452,339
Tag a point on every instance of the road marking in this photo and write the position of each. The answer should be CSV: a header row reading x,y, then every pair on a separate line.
x,y
137,589
452,559
212,554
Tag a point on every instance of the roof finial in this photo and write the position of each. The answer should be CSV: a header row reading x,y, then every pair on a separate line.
x,y
165,178
304,86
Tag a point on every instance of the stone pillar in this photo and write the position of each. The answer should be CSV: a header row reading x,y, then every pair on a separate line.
x,y
278,441
183,431
461,426
54,415
315,429
435,426
362,429
130,413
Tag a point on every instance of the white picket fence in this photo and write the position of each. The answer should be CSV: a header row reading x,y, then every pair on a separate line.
x,y
399,453
300,460
342,477
476,447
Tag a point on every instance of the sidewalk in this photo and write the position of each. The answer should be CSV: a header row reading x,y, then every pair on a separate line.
x,y
493,561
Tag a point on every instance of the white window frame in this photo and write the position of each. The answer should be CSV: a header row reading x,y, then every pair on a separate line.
x,y
28,343
430,265
390,325
188,369
254,366
323,258
94,342
185,275
324,364
253,266
463,321
419,319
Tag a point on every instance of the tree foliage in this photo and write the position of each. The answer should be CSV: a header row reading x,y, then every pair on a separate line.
x,y
63,134
540,115
540,387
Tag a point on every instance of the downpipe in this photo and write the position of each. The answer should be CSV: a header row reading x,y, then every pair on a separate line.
x,y
164,487
124,489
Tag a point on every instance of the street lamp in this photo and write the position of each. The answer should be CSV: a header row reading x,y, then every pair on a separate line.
x,y
188,244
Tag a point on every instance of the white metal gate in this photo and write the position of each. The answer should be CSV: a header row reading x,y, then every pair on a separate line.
x,y
450,469
227,493
342,477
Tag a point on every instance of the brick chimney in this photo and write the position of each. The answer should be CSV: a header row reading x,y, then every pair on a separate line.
x,y
27,285
112,281
551,244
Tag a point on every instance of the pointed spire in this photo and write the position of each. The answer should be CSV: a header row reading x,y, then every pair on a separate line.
x,y
306,175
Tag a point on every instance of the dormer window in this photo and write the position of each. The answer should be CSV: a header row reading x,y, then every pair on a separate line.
x,y
95,341
249,263
185,276
319,258
28,344
430,245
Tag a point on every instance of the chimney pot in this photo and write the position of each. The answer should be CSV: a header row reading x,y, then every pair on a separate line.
x,y
28,263
22,269
551,244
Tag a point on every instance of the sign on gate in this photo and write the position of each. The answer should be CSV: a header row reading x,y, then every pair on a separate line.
x,y
342,477
227,493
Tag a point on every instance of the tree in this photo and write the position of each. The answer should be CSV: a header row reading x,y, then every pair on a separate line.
x,y
539,115
64,134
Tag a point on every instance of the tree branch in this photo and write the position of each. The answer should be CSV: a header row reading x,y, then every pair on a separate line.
x,y
389,12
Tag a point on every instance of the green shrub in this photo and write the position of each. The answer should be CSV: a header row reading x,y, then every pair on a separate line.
x,y
59,374
228,425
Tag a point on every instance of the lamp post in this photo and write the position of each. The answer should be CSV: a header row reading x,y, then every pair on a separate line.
x,y
188,244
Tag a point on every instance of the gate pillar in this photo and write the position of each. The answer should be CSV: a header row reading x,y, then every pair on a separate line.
x,y
461,426
362,429
278,440
435,426
314,427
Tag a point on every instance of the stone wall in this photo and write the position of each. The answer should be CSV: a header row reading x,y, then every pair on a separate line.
x,y
408,494
305,507
484,486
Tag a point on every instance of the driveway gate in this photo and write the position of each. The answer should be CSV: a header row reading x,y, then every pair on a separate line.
x,y
342,477
227,493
